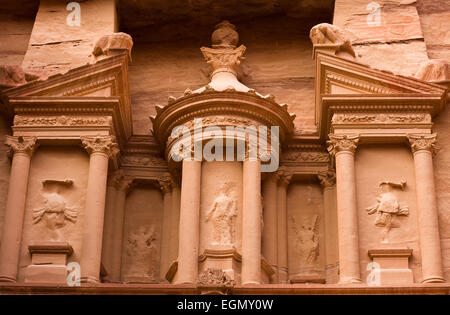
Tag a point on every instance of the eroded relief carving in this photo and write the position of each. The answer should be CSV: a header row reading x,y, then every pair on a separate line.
x,y
307,240
387,207
222,215
215,277
55,213
141,248
325,33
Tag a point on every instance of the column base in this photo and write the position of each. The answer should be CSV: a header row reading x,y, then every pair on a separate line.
x,y
90,280
7,279
433,279
350,280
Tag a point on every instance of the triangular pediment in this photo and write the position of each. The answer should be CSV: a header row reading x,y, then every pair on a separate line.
x,y
106,77
336,75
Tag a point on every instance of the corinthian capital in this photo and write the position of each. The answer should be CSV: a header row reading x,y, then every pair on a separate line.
x,y
327,179
423,142
340,143
21,144
284,176
166,183
100,144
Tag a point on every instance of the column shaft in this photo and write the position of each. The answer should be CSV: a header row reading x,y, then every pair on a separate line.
x,y
166,227
251,223
269,235
108,230
347,218
118,226
175,220
428,218
282,233
100,149
14,213
189,222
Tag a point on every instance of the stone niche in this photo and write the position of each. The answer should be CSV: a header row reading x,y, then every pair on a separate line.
x,y
54,208
387,215
306,241
142,235
221,217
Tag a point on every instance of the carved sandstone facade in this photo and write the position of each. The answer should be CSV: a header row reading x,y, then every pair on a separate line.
x,y
202,194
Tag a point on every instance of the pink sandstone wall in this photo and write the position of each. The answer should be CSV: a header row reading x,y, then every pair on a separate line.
x,y
442,177
5,165
278,61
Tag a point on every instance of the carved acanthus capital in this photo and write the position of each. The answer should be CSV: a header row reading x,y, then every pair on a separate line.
x,y
340,143
284,176
166,183
100,144
21,144
423,142
124,184
327,179
224,54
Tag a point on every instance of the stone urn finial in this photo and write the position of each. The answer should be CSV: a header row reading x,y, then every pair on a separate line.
x,y
225,36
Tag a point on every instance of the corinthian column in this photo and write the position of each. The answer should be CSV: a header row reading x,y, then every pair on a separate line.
x,y
423,147
251,222
123,186
269,235
344,147
165,183
284,179
100,148
189,222
22,148
328,183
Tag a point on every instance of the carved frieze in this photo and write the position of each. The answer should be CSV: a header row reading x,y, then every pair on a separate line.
x,y
32,121
143,160
301,156
381,118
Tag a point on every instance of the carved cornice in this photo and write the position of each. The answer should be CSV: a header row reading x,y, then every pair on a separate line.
x,y
21,144
423,142
342,143
100,144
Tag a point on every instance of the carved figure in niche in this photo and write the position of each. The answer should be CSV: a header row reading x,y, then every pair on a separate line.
x,y
141,247
55,212
387,207
222,215
307,240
